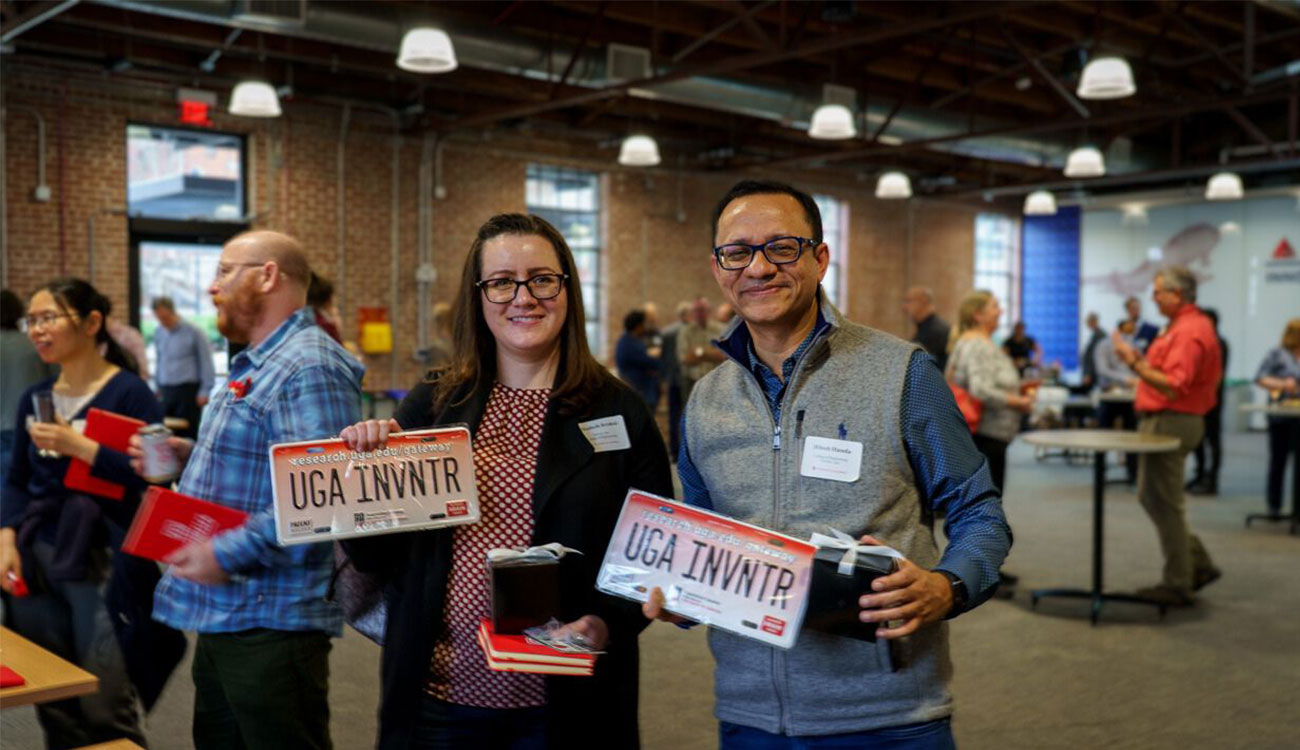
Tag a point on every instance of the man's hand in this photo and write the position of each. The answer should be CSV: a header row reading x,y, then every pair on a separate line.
x,y
201,399
912,594
1126,352
591,630
653,609
180,446
197,561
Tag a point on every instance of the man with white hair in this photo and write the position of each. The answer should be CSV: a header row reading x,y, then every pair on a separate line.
x,y
1178,380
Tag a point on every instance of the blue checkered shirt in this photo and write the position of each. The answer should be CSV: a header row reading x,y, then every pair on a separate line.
x,y
301,385
950,472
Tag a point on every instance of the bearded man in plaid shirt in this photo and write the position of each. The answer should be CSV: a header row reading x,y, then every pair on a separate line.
x,y
261,664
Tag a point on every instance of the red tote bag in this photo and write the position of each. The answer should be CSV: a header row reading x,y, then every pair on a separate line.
x,y
972,409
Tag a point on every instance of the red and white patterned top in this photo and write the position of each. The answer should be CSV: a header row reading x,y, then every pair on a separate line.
x,y
505,465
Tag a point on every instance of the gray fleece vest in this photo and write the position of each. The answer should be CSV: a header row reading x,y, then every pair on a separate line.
x,y
848,386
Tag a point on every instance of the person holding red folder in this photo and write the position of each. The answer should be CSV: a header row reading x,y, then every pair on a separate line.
x,y
522,377
86,603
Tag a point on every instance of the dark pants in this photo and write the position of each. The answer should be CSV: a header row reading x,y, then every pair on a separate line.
x,y
449,726
930,735
675,404
1213,444
71,620
996,452
1283,442
7,453
179,401
262,690
1110,411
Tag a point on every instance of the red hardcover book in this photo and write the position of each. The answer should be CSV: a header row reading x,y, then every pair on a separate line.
x,y
167,521
516,653
109,430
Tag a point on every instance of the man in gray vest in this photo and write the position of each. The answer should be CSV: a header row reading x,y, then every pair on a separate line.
x,y
796,370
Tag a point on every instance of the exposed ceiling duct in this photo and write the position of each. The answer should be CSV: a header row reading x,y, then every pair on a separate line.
x,y
502,52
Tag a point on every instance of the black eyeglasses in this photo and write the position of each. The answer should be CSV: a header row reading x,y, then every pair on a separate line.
x,y
541,286
782,250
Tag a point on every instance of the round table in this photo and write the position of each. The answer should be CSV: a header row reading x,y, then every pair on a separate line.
x,y
1288,409
1099,442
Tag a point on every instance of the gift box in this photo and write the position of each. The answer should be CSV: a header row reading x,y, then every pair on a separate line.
x,y
525,587
835,588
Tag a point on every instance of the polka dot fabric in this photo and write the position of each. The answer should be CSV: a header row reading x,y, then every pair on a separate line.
x,y
505,464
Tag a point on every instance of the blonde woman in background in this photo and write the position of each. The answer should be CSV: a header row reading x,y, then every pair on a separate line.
x,y
988,374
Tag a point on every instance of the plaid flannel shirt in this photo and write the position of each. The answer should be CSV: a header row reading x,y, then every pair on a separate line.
x,y
297,384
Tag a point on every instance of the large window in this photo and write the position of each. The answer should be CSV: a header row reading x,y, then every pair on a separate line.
x,y
184,174
996,265
835,233
182,271
570,199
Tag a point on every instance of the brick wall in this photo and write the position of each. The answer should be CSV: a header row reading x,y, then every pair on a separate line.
x,y
651,253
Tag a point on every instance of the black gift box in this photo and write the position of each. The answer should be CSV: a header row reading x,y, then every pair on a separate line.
x,y
833,598
524,593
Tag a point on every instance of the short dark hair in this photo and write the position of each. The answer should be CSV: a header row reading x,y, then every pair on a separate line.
x,y
320,290
163,302
633,320
11,310
771,187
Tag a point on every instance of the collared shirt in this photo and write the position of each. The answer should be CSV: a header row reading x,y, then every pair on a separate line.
x,y
950,472
1188,355
295,385
184,356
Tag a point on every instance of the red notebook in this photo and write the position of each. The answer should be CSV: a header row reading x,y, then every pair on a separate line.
x,y
167,521
10,678
516,653
110,430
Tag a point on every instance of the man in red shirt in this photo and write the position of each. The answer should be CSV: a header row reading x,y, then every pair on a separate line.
x,y
1178,380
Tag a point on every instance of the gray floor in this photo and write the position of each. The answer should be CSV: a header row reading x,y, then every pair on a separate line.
x,y
1222,675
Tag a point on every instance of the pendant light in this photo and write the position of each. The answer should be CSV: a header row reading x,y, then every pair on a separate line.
x,y
638,151
1106,78
1040,203
832,122
1224,186
1085,161
426,50
893,186
254,99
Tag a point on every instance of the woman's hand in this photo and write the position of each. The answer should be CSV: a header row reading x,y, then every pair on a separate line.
x,y
63,440
10,561
369,435
653,608
1024,403
591,631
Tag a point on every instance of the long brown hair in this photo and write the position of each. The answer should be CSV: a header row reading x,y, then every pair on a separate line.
x,y
1291,336
474,350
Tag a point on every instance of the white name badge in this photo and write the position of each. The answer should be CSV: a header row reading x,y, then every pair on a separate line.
x,y
838,460
606,434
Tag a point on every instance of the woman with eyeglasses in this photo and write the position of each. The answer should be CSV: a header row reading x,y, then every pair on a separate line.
x,y
523,378
84,600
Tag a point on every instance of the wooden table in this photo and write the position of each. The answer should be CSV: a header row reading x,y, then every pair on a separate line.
x,y
49,678
1099,442
1288,409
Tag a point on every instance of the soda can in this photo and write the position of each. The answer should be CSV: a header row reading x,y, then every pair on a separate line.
x,y
160,464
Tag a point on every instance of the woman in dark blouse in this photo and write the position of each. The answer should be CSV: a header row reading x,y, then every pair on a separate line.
x,y
86,602
524,380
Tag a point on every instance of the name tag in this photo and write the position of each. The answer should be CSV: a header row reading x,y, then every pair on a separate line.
x,y
606,434
837,460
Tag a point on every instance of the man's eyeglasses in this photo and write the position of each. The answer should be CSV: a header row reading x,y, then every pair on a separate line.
x,y
32,322
782,250
224,270
541,286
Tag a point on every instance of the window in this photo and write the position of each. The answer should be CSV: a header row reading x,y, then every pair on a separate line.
x,y
835,233
996,267
570,199
182,271
184,174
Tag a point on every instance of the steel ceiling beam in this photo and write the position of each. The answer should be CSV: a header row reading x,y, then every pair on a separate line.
x,y
1250,128
722,28
1134,178
753,60
1045,74
34,16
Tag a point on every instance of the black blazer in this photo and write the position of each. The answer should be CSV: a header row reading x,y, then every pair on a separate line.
x,y
577,496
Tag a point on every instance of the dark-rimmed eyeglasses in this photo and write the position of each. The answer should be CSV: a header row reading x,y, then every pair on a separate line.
x,y
737,255
541,286
33,322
